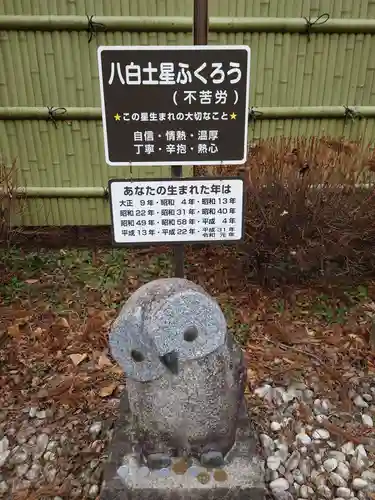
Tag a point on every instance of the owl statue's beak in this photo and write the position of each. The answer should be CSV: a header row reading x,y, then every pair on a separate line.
x,y
170,361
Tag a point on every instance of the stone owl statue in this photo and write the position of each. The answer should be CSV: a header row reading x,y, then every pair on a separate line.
x,y
185,376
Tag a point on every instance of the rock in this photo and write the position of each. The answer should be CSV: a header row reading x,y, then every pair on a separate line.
x,y
34,472
41,445
348,448
279,484
321,434
308,394
95,429
273,462
275,426
3,457
360,451
337,480
41,415
19,455
318,478
306,491
343,470
32,412
267,444
367,397
338,455
318,458
293,461
343,492
330,464
368,475
303,438
367,420
298,476
283,452
93,491
50,472
4,488
283,495
263,391
22,469
324,491
305,467
49,456
320,418
4,444
358,464
359,484
360,402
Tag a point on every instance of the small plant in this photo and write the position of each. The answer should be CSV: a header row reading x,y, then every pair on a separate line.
x,y
10,202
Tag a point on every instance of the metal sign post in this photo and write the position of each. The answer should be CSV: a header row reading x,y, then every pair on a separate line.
x,y
176,106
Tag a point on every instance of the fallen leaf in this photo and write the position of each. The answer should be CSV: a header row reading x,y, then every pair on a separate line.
x,y
62,322
14,331
107,390
77,358
31,282
103,361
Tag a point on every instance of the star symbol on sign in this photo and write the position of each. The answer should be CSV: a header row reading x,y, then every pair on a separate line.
x,y
117,117
233,116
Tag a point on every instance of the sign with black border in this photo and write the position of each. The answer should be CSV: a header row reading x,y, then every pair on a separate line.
x,y
175,105
177,211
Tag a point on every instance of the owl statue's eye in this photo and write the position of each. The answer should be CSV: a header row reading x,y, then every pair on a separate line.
x,y
190,334
137,355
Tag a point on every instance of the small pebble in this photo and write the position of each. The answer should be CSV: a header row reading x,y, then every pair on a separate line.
x,y
343,492
273,462
330,464
34,472
343,471
275,426
279,484
303,438
367,397
32,412
337,480
293,461
263,391
93,491
95,429
3,487
321,434
359,484
324,491
4,444
367,420
360,402
338,455
348,448
267,443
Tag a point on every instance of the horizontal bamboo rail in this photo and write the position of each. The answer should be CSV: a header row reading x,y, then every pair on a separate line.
x,y
102,192
262,113
184,24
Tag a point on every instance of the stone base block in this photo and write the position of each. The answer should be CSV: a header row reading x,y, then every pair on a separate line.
x,y
242,477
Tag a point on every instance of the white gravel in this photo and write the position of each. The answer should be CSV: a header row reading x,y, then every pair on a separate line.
x,y
304,460
40,452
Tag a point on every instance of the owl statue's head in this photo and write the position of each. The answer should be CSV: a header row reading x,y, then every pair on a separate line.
x,y
164,324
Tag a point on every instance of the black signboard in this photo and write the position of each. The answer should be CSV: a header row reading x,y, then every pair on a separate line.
x,y
175,105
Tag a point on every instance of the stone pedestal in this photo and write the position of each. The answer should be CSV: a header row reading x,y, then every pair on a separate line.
x,y
241,478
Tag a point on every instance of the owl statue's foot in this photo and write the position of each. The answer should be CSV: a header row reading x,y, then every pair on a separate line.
x,y
158,460
212,459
